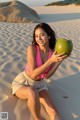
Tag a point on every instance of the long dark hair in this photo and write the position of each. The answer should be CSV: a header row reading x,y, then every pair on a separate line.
x,y
50,33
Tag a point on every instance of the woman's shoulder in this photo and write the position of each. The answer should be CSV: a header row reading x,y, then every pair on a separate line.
x,y
31,48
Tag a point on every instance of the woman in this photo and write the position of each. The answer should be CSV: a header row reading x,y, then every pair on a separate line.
x,y
42,62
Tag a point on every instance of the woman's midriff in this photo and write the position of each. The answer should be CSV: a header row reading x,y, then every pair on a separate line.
x,y
37,79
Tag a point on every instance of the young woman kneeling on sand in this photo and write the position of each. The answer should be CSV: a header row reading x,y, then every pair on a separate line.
x,y
42,62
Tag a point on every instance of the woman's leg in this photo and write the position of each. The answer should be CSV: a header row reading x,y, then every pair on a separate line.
x,y
32,96
49,106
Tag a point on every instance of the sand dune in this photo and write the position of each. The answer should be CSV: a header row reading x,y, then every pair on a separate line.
x,y
14,39
55,13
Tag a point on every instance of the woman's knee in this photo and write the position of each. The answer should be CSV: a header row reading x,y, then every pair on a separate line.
x,y
32,93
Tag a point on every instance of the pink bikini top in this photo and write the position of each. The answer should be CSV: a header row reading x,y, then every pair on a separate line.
x,y
39,62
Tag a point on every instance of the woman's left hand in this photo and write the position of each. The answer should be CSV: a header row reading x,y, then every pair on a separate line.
x,y
65,56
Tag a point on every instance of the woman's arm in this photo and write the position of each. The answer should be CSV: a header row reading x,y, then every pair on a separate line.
x,y
53,70
31,59
55,66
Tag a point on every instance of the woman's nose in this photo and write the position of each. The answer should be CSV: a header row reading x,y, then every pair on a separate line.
x,y
39,38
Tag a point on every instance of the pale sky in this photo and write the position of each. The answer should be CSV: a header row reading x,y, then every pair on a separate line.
x,y
33,2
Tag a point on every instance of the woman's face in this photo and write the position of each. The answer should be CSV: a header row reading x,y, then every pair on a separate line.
x,y
41,37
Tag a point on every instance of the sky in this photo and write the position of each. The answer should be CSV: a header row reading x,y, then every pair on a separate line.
x,y
34,2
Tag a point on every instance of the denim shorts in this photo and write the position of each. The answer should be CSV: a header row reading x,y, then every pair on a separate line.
x,y
23,79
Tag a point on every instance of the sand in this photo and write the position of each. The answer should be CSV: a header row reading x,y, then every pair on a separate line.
x,y
14,39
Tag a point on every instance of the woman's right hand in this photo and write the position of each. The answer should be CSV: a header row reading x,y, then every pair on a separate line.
x,y
58,57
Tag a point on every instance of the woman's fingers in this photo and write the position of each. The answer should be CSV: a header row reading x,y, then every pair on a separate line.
x,y
61,57
58,57
55,52
64,56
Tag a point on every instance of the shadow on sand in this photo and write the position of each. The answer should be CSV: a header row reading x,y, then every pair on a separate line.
x,y
65,94
59,17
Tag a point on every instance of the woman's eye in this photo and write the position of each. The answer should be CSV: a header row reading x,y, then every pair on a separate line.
x,y
42,35
39,36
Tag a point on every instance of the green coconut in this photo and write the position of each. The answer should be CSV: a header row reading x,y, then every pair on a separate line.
x,y
64,46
